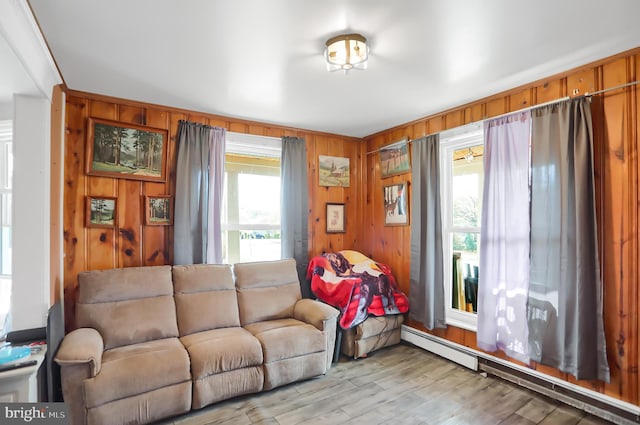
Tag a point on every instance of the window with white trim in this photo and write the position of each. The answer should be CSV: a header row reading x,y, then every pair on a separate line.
x,y
6,186
461,164
251,216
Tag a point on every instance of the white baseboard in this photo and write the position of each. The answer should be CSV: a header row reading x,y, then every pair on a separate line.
x,y
431,343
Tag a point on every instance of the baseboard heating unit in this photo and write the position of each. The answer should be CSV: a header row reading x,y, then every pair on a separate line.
x,y
595,403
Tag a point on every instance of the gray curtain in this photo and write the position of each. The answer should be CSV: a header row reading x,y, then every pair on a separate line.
x,y
294,209
191,219
426,294
565,290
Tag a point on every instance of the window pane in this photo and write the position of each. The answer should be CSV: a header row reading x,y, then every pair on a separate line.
x,y
5,304
8,178
259,199
467,186
242,246
5,250
465,272
5,210
259,245
5,234
251,220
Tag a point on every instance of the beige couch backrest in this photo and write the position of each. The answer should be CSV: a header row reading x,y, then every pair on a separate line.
x,y
127,306
205,297
267,290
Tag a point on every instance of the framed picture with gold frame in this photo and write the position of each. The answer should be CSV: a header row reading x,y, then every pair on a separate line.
x,y
158,210
101,211
126,151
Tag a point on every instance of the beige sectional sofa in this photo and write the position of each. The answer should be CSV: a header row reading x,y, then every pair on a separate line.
x,y
154,342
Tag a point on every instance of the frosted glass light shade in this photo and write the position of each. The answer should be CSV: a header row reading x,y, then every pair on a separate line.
x,y
346,52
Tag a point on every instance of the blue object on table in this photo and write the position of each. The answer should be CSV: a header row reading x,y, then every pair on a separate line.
x,y
9,354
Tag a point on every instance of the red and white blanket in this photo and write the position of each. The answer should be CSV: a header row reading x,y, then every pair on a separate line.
x,y
357,285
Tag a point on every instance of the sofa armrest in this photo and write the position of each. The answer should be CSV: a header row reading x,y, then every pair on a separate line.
x,y
81,346
80,358
315,313
324,318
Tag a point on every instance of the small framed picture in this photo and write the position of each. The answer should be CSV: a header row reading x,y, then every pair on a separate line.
x,y
395,159
396,207
101,211
158,210
335,218
333,171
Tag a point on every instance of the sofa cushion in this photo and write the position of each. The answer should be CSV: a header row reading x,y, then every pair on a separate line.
x,y
127,306
221,386
136,369
294,369
221,350
267,290
143,408
287,338
205,296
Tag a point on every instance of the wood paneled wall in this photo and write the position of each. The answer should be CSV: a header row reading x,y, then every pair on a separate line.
x,y
132,243
616,126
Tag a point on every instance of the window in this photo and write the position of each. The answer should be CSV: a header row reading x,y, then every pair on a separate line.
x,y
461,157
6,184
251,216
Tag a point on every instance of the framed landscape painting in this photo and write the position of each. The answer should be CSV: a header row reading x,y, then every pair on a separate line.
x,y
158,210
101,211
333,171
126,151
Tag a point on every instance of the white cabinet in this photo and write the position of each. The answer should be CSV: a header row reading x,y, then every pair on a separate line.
x,y
21,385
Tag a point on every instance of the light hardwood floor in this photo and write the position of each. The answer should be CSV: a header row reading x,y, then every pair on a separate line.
x,y
397,385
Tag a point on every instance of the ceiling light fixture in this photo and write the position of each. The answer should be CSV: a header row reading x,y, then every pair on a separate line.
x,y
346,52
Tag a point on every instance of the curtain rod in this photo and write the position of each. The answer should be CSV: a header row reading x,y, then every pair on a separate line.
x,y
587,94
529,108
408,141
633,83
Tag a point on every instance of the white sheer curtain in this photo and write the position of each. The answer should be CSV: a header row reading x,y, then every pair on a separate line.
x,y
217,144
504,238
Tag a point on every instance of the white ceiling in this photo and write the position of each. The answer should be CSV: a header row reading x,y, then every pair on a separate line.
x,y
262,60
